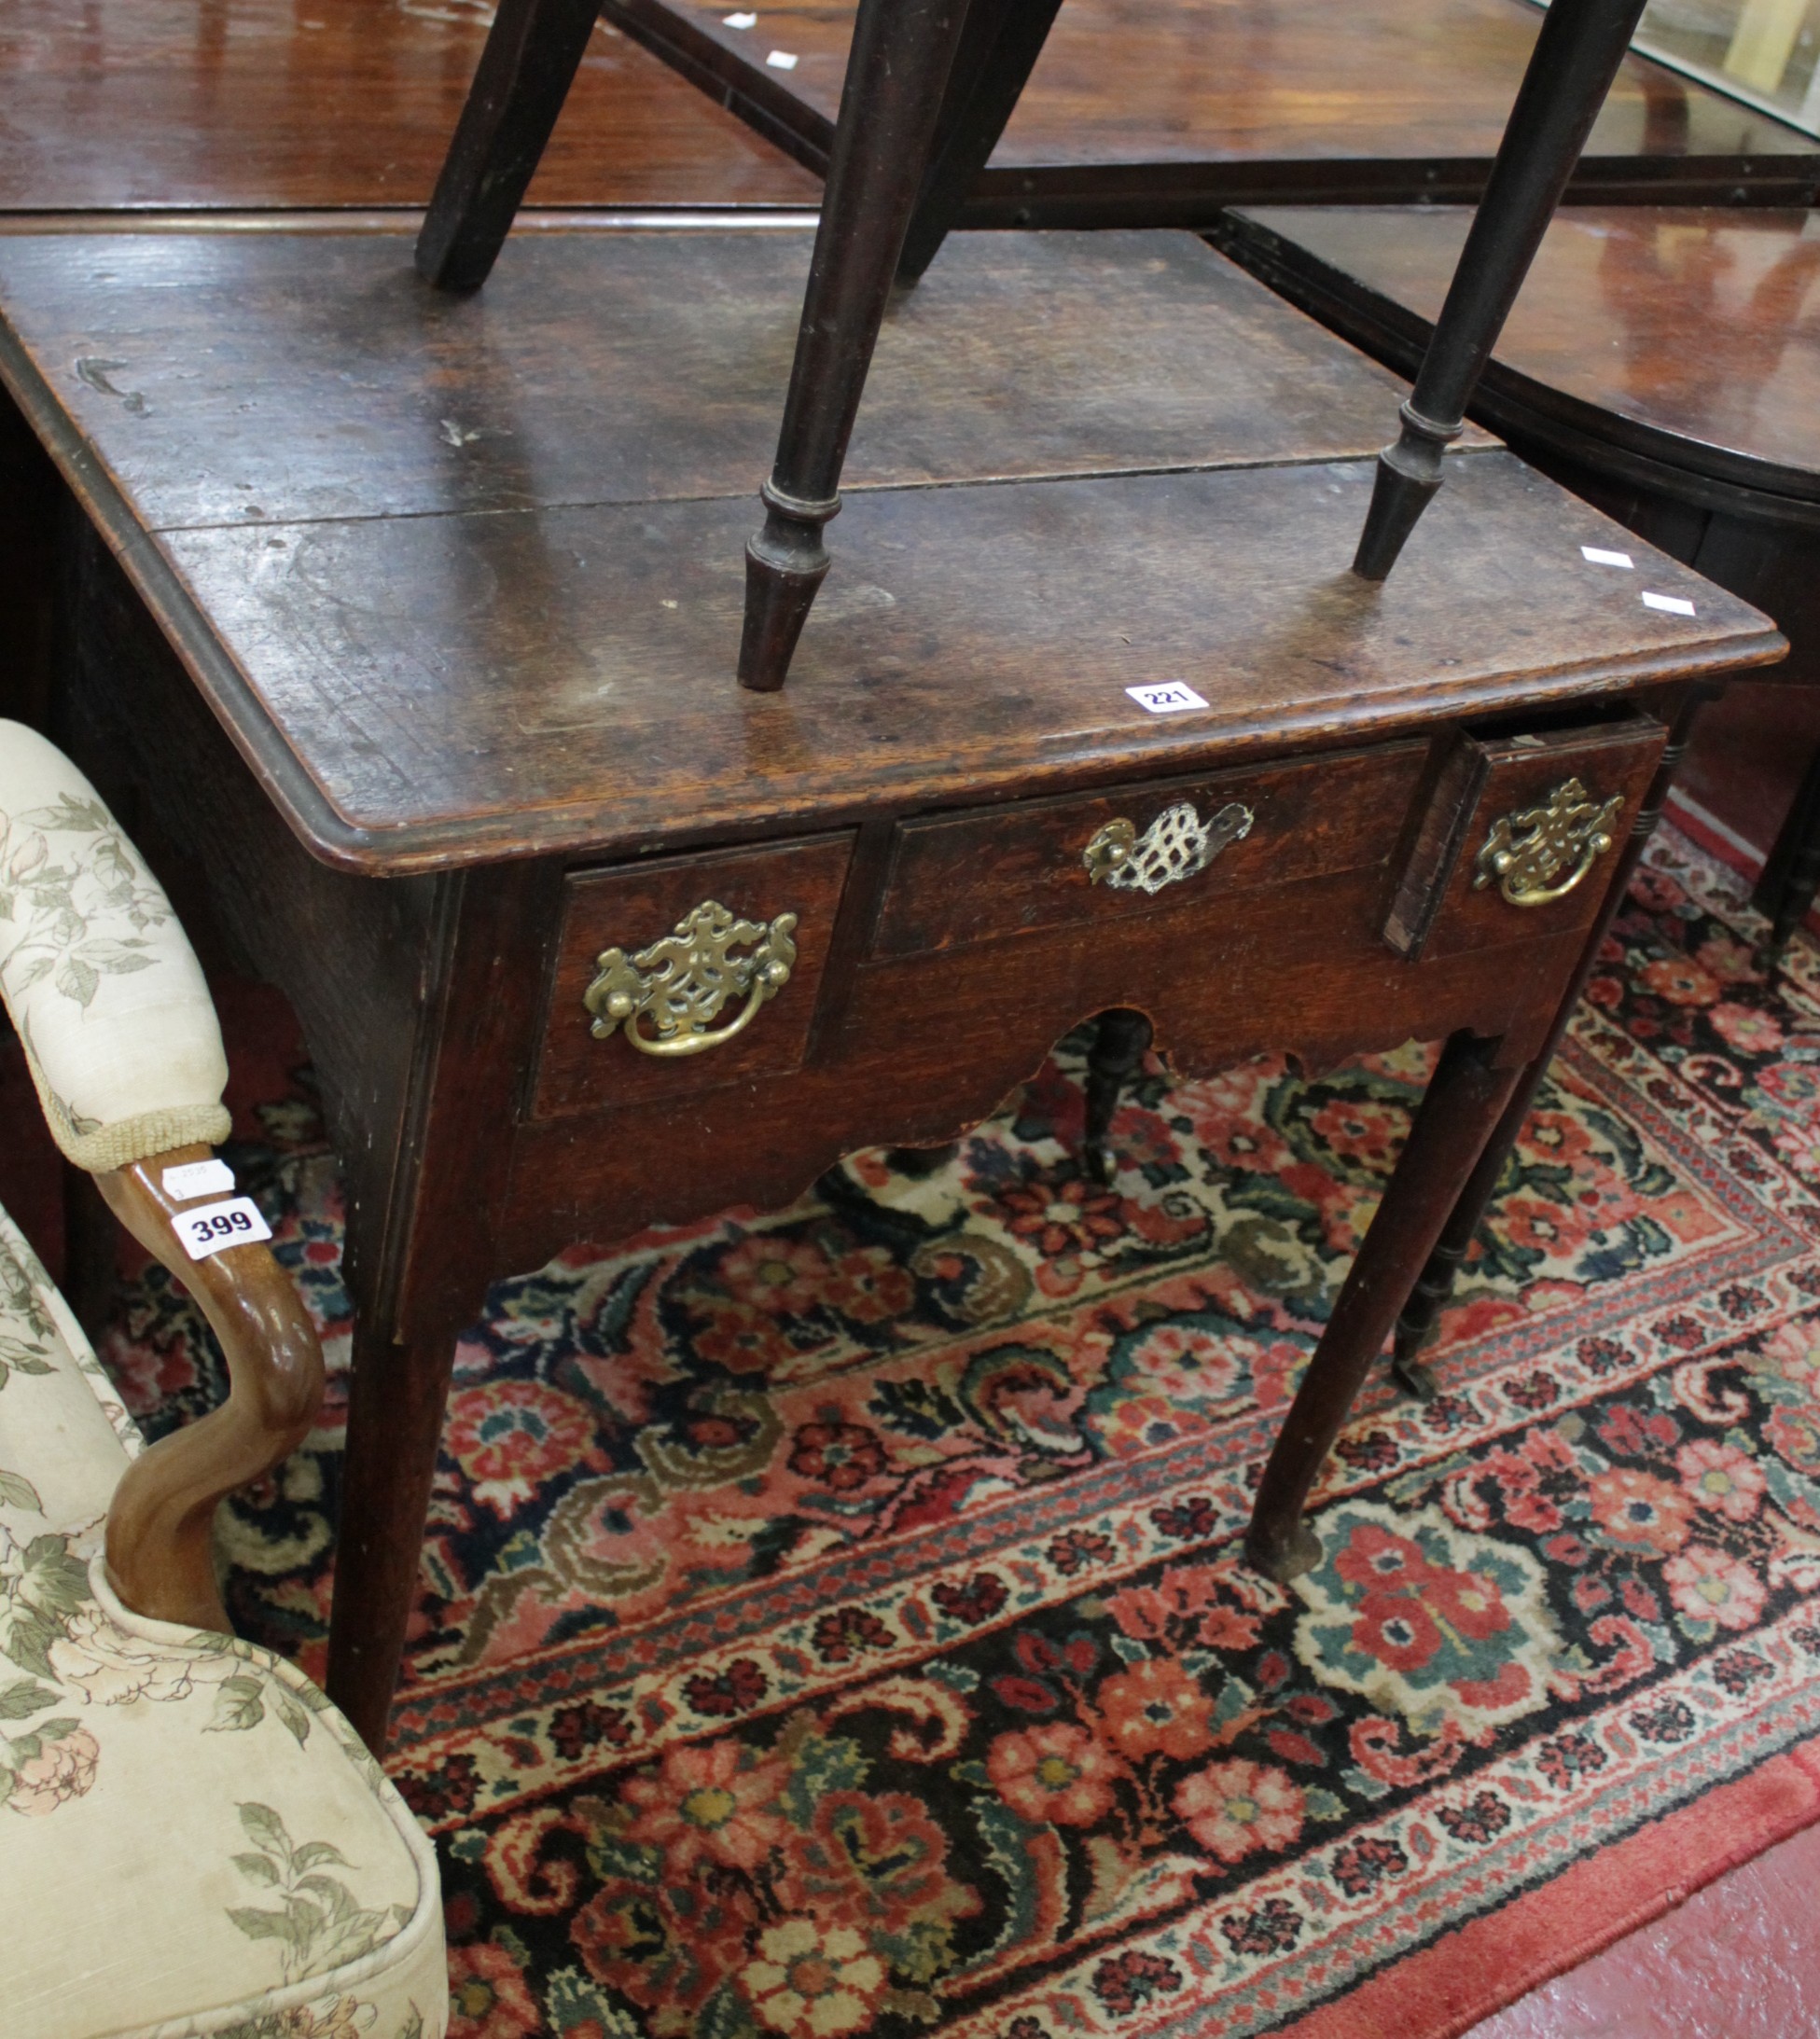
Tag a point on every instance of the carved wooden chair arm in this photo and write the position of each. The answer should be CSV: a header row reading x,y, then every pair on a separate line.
x,y
161,1521
121,1038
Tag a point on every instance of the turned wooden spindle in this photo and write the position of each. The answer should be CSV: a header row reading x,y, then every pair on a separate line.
x,y
897,72
1570,71
998,49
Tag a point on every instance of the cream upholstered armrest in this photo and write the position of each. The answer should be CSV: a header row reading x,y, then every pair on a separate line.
x,y
121,1038
103,986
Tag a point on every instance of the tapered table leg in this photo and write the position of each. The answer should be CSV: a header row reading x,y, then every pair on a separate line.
x,y
998,50
533,52
1464,1101
897,72
1577,55
1436,1283
394,1425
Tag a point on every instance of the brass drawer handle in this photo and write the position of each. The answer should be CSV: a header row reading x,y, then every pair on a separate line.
x,y
682,982
1176,845
1526,851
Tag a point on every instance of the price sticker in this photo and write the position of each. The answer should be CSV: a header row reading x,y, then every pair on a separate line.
x,y
1167,698
211,1226
197,1179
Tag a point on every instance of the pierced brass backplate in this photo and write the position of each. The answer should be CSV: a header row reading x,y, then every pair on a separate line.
x,y
1176,845
682,983
1526,851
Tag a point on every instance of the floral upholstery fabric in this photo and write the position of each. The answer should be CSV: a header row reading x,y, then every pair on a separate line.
x,y
101,982
192,1840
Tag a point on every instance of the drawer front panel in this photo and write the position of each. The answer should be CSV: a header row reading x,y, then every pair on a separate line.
x,y
1013,871
1521,836
712,997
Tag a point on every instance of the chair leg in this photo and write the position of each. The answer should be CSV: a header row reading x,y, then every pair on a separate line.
x,y
1791,874
1436,1283
1576,56
533,52
897,72
1463,1102
998,50
1120,1045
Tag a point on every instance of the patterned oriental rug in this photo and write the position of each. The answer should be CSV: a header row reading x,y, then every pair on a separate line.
x,y
832,1624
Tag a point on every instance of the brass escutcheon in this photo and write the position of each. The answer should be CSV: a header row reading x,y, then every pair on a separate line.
x,y
681,983
1176,845
1527,850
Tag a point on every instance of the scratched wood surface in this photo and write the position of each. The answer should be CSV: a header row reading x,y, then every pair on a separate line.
x,y
502,674
310,102
1148,100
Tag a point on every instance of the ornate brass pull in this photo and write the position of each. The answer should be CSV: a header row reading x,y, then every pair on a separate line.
x,y
682,982
1527,850
1176,845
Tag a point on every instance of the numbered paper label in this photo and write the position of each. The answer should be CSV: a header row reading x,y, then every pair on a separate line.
x,y
209,1228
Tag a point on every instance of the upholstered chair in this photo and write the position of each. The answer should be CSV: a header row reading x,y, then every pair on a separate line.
x,y
192,1840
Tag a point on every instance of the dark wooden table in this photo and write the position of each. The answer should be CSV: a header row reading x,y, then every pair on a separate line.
x,y
415,618
1153,112
1664,363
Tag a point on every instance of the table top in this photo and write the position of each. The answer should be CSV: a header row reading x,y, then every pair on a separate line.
x,y
1690,336
463,576
166,104
1280,94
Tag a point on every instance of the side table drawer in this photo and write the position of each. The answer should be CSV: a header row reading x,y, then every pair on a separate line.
x,y
1519,834
1106,857
681,974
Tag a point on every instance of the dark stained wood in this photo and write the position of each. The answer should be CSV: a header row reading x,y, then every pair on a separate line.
x,y
533,52
1458,1113
467,707
1147,113
1121,1039
1663,346
631,909
1575,60
308,103
1435,1281
897,72
984,877
1443,903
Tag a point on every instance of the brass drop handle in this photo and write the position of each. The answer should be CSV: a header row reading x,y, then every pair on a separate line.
x,y
1176,845
682,983
1527,850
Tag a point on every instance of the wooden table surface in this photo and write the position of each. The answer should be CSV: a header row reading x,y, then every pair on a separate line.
x,y
1689,335
464,576
170,103
1135,102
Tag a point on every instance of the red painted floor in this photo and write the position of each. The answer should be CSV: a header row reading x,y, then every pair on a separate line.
x,y
1740,1959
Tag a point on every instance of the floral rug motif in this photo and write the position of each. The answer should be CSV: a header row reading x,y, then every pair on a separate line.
x,y
832,1621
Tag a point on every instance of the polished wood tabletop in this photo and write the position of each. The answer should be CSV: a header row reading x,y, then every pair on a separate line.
x,y
1689,336
250,103
1133,101
467,570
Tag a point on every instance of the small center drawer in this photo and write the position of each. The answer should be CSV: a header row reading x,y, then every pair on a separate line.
x,y
656,987
1041,863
